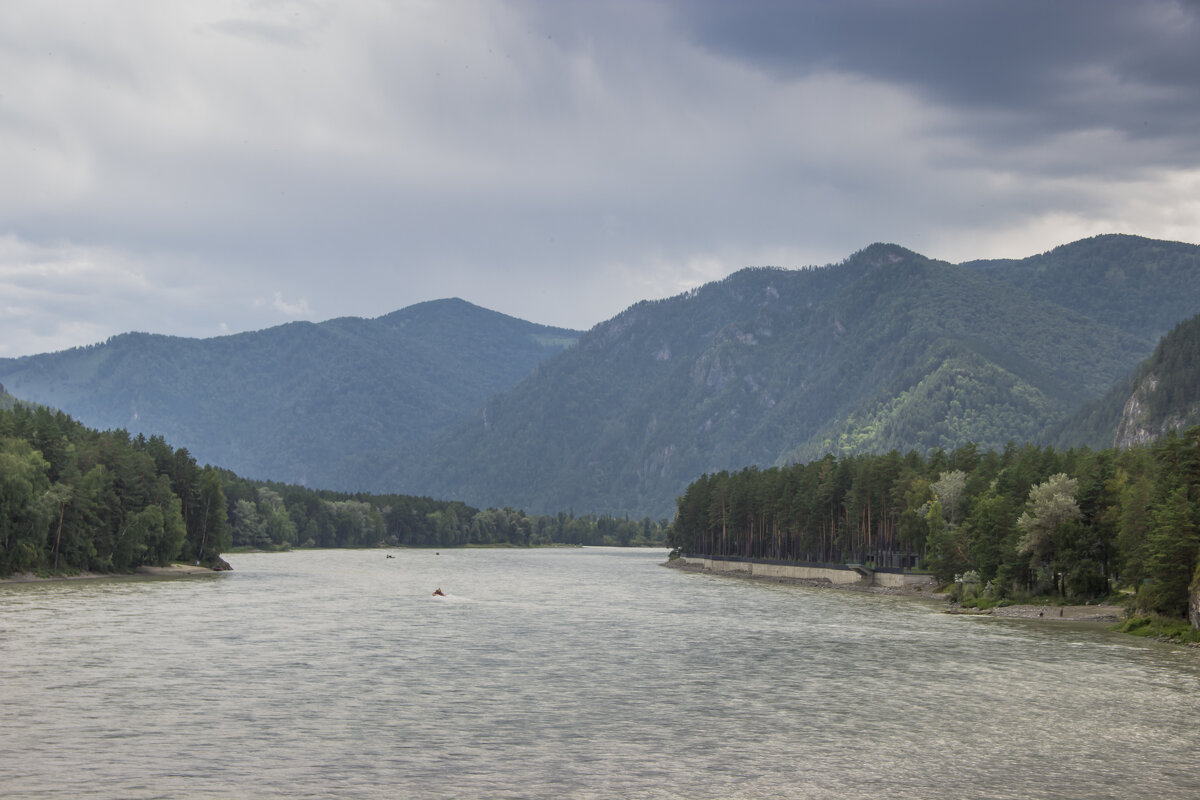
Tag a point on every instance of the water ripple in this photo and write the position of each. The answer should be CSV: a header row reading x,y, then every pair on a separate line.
x,y
581,673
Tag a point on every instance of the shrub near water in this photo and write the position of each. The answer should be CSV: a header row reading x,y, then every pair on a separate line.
x,y
1162,628
970,594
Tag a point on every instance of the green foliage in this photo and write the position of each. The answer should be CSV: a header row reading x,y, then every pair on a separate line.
x,y
1175,365
262,523
1051,507
991,534
333,519
887,350
75,498
1158,627
1173,548
947,555
1163,394
1086,580
319,404
24,511
1141,286
108,503
1026,522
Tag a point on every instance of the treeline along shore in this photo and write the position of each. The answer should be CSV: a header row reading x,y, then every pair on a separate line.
x,y
1024,523
76,499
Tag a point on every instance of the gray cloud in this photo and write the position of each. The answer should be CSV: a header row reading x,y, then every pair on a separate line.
x,y
196,168
1047,66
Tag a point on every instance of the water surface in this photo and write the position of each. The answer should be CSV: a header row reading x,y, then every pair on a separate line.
x,y
578,673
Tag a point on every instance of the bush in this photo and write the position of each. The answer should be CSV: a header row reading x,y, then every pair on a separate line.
x,y
1086,582
1162,628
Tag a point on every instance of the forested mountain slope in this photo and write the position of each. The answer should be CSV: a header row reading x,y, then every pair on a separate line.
x,y
887,349
72,498
317,404
1142,286
1162,395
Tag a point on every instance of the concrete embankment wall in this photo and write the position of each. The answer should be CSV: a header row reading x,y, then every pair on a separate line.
x,y
833,573
899,580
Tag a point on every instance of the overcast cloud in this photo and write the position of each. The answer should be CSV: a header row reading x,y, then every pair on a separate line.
x,y
202,168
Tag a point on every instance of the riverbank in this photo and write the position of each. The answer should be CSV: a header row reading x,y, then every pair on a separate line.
x,y
170,571
1084,613
1075,613
853,584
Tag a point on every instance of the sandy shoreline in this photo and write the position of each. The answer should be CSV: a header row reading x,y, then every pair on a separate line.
x,y
1084,613
172,571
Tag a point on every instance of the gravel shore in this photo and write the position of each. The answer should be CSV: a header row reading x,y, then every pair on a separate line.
x,y
1085,613
1096,613
908,591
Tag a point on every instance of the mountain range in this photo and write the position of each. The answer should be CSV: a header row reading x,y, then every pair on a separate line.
x,y
885,350
323,405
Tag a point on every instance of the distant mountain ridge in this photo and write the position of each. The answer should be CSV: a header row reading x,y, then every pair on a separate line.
x,y
885,350
1115,278
321,404
888,349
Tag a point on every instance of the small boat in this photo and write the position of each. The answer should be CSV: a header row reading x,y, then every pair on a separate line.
x,y
438,593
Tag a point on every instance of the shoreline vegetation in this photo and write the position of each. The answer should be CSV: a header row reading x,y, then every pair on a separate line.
x,y
1102,613
142,572
180,570
1028,526
78,500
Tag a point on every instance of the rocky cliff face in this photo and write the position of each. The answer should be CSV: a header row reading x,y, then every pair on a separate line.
x,y
1138,426
1134,428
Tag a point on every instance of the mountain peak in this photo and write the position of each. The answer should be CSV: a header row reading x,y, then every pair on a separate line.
x,y
319,404
883,254
456,311
886,349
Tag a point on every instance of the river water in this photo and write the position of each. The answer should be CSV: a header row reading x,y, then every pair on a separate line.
x,y
567,673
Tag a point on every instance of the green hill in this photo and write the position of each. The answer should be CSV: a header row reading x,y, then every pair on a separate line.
x,y
888,349
1161,395
1142,286
316,404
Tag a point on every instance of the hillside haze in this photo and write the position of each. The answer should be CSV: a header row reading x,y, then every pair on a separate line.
x,y
322,404
887,350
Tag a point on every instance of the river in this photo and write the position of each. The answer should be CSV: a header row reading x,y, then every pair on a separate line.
x,y
567,673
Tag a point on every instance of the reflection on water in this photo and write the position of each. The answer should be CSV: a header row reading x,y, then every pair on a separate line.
x,y
566,673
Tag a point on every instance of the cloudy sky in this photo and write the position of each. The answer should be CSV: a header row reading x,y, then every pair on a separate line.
x,y
201,168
